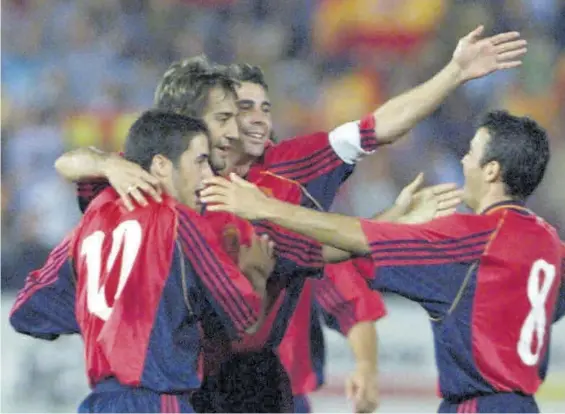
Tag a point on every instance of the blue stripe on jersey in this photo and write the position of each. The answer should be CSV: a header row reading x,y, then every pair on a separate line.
x,y
212,274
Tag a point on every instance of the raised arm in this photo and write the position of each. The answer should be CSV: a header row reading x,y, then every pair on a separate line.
x,y
473,58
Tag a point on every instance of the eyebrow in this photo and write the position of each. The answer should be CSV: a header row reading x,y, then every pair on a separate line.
x,y
251,102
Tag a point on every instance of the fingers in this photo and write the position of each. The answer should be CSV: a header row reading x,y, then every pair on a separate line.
x,y
212,199
217,181
449,204
138,196
240,181
445,212
509,65
126,199
153,191
503,37
511,56
418,181
213,189
475,34
511,46
442,188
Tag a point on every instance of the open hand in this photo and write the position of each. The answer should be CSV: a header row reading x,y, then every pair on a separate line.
x,y
237,196
478,57
421,205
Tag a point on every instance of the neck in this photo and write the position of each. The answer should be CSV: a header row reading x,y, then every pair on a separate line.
x,y
486,202
242,164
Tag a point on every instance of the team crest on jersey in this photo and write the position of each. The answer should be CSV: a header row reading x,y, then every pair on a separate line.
x,y
231,240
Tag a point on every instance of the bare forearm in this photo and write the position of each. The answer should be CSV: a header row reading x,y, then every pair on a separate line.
x,y
362,339
82,163
391,215
402,113
341,232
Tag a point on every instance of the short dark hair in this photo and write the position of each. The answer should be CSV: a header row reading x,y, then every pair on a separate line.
x,y
521,147
185,86
160,132
245,72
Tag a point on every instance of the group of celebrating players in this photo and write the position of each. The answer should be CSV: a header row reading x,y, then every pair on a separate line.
x,y
204,261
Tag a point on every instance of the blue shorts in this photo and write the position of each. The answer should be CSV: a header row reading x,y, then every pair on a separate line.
x,y
492,403
302,404
111,397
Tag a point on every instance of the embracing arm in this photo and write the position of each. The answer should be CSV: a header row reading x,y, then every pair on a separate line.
x,y
83,163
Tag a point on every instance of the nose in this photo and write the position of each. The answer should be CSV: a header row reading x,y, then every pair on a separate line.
x,y
232,131
258,117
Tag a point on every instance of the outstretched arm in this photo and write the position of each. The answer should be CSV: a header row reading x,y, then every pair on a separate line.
x,y
473,58
341,232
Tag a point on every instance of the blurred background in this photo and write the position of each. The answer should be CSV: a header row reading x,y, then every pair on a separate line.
x,y
76,73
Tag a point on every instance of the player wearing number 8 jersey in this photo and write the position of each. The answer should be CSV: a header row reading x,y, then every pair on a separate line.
x,y
492,282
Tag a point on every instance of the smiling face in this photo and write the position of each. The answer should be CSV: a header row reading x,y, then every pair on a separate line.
x,y
254,119
220,118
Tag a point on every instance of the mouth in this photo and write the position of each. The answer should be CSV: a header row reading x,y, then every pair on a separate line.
x,y
223,150
256,137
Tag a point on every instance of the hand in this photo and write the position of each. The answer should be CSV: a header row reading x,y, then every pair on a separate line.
x,y
361,387
423,205
478,57
237,196
131,181
257,261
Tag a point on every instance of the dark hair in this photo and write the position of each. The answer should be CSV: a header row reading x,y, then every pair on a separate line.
x,y
185,86
244,72
521,147
159,132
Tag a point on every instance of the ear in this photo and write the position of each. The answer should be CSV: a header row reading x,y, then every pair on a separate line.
x,y
492,172
161,166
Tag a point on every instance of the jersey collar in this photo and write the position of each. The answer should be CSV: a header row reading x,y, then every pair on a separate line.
x,y
513,205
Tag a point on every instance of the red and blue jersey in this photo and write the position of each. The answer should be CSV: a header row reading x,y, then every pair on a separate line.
x,y
145,282
490,284
322,161
343,299
45,307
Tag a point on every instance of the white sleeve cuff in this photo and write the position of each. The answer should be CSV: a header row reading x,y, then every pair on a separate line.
x,y
346,143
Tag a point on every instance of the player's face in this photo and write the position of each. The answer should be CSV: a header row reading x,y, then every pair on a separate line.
x,y
193,167
253,118
476,183
219,117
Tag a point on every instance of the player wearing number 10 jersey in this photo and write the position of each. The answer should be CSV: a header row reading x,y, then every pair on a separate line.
x,y
147,279
492,283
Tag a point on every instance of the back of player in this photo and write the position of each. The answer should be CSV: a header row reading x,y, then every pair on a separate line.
x,y
502,319
124,295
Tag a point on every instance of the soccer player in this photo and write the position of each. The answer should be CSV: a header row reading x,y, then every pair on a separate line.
x,y
148,279
492,283
341,296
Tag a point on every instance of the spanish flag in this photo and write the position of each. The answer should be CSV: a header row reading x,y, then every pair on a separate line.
x,y
399,25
